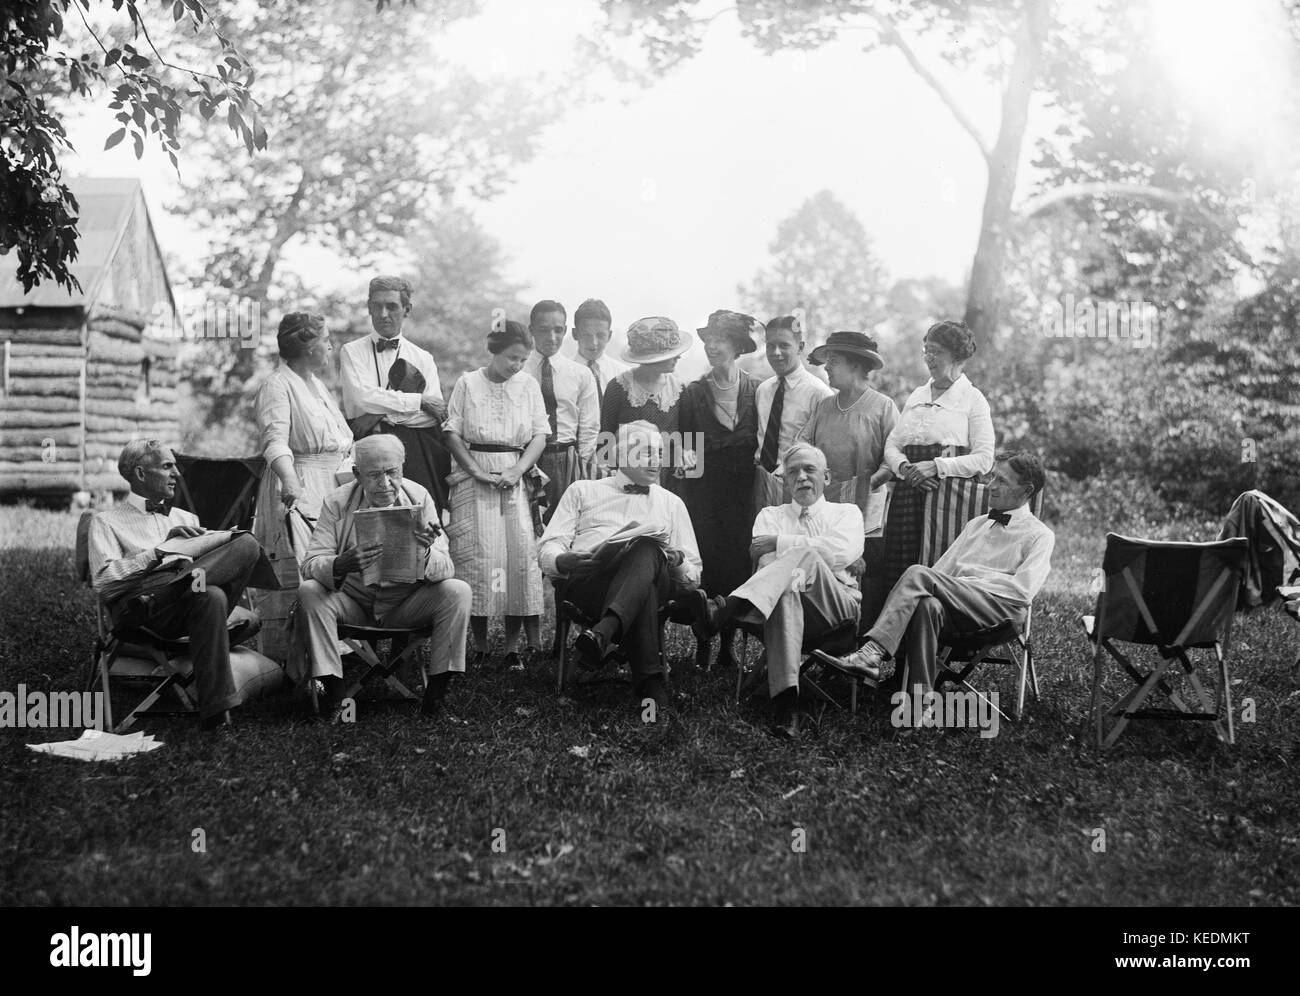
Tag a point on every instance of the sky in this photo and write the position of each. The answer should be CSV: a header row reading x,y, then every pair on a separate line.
x,y
661,200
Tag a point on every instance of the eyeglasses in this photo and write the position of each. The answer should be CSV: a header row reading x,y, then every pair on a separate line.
x,y
378,476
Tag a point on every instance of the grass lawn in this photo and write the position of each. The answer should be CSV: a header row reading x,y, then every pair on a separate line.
x,y
389,811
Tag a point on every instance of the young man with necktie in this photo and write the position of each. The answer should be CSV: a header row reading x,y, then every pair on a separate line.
x,y
802,587
989,575
592,323
390,385
624,593
785,402
569,392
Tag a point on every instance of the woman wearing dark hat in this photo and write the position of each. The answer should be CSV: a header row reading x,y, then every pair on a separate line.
x,y
943,442
851,426
719,410
305,441
496,429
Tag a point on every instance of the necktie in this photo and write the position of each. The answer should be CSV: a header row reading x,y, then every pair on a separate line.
x,y
600,392
636,489
548,393
1001,518
384,344
805,518
772,434
155,507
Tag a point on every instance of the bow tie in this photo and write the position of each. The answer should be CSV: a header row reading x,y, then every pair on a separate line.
x,y
636,489
156,507
382,344
1001,518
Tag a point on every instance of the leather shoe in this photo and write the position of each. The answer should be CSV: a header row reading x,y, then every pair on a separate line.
x,y
704,610
863,664
593,649
786,727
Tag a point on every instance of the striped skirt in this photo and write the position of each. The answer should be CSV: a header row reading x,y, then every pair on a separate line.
x,y
921,525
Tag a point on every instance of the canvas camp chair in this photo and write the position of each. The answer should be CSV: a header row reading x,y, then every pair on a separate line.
x,y
1176,597
568,615
136,656
1002,644
221,492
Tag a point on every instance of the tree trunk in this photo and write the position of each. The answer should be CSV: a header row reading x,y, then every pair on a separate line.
x,y
984,295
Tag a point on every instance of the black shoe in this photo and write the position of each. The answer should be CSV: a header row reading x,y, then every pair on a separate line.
x,y
219,721
786,715
512,662
593,649
704,610
435,691
703,648
653,688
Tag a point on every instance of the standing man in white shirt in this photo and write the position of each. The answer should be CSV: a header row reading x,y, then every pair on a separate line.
x,y
802,587
391,385
591,328
989,575
785,403
569,393
624,593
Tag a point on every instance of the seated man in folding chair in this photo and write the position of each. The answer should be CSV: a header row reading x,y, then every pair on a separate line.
x,y
334,592
624,593
172,595
802,588
988,576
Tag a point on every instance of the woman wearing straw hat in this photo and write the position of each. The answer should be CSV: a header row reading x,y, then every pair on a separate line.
x,y
851,426
650,391
719,411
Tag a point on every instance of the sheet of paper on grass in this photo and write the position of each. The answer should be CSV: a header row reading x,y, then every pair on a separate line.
x,y
393,528
616,545
96,745
194,547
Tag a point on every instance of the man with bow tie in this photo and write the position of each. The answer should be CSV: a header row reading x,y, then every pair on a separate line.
x,y
802,587
989,575
624,593
390,385
334,591
143,587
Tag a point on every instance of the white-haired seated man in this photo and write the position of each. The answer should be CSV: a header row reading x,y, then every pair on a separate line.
x,y
989,575
139,590
802,587
624,594
333,591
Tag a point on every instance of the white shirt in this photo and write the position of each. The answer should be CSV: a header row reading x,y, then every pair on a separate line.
x,y
577,413
297,416
122,541
1011,561
590,512
606,369
802,392
959,417
364,370
833,529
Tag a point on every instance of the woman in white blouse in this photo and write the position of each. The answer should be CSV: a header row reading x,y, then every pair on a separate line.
x,y
305,442
942,443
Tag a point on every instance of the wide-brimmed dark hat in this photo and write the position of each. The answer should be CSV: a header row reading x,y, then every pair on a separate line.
x,y
735,326
853,343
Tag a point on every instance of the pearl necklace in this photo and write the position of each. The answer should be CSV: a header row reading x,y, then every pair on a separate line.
x,y
723,387
852,406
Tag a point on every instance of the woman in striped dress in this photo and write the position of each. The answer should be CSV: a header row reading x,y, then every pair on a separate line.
x,y
943,443
496,429
305,442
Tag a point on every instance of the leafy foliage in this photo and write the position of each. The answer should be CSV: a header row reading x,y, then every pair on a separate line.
x,y
37,212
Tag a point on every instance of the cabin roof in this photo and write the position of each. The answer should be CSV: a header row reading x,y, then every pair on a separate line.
x,y
106,204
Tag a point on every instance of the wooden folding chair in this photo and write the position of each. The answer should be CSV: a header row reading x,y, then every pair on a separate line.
x,y
136,656
1003,645
1176,597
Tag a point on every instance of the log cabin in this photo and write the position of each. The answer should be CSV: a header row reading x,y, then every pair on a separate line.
x,y
84,372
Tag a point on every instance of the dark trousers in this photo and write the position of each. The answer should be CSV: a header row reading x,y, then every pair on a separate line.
x,y
428,461
178,610
632,588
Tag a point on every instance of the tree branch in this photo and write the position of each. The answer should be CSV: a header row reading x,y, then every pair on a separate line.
x,y
889,34
1075,191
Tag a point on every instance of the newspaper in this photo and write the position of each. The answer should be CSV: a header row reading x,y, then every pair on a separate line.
x,y
616,545
95,745
393,528
185,548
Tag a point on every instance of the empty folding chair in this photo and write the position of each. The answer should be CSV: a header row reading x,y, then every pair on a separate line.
x,y
1177,598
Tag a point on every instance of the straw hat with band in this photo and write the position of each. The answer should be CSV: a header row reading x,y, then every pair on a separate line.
x,y
653,340
735,326
852,343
